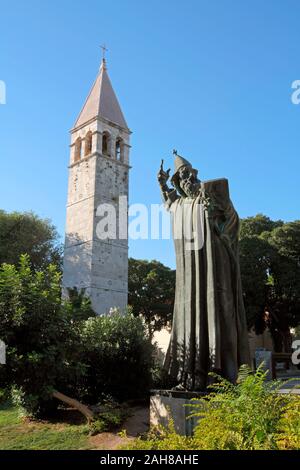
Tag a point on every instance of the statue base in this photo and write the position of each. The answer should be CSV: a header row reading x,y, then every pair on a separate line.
x,y
174,404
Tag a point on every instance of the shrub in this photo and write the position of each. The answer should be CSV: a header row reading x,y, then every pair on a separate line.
x,y
108,416
3,395
40,335
25,232
162,439
242,416
248,416
118,357
52,344
288,435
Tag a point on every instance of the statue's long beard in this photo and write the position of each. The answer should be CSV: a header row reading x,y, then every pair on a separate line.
x,y
189,188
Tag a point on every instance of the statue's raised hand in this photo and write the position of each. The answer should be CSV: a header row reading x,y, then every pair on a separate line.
x,y
163,175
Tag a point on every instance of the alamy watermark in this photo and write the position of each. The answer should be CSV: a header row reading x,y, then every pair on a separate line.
x,y
296,353
154,222
295,96
2,352
2,92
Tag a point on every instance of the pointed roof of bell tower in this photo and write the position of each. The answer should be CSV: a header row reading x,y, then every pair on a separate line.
x,y
102,102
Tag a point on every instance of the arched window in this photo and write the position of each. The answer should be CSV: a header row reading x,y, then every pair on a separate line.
x,y
119,150
105,143
88,143
77,153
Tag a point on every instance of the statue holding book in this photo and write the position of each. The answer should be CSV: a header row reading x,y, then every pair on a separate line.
x,y
209,331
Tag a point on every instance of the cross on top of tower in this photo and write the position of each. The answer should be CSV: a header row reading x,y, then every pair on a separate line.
x,y
104,50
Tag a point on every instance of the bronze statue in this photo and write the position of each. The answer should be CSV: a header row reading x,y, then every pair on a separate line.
x,y
209,331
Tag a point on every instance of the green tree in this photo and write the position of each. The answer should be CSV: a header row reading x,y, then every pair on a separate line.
x,y
40,333
22,233
151,287
270,268
256,225
284,285
255,263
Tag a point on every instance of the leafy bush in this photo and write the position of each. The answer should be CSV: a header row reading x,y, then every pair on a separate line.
x,y
3,395
40,335
53,344
288,434
109,415
162,438
118,357
242,416
79,305
248,416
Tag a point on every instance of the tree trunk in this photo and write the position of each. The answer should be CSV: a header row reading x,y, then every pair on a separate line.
x,y
75,404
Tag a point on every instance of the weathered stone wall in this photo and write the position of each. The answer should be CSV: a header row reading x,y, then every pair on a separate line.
x,y
99,266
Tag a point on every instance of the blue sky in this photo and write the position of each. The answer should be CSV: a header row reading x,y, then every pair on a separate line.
x,y
209,78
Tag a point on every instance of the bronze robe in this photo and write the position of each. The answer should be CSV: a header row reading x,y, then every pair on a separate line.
x,y
209,331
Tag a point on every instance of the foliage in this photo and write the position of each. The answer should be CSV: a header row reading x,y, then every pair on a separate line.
x,y
3,395
22,233
288,435
151,288
162,438
60,344
242,416
79,305
255,257
284,297
109,416
248,416
118,357
255,226
297,332
40,335
270,268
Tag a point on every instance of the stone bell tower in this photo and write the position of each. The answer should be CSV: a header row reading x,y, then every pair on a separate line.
x,y
96,259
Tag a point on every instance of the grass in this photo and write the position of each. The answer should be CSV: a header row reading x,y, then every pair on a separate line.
x,y
17,433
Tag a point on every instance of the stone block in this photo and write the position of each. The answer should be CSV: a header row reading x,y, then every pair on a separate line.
x,y
264,357
176,405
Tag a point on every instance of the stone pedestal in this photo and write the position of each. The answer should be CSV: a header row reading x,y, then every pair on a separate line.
x,y
263,358
173,404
